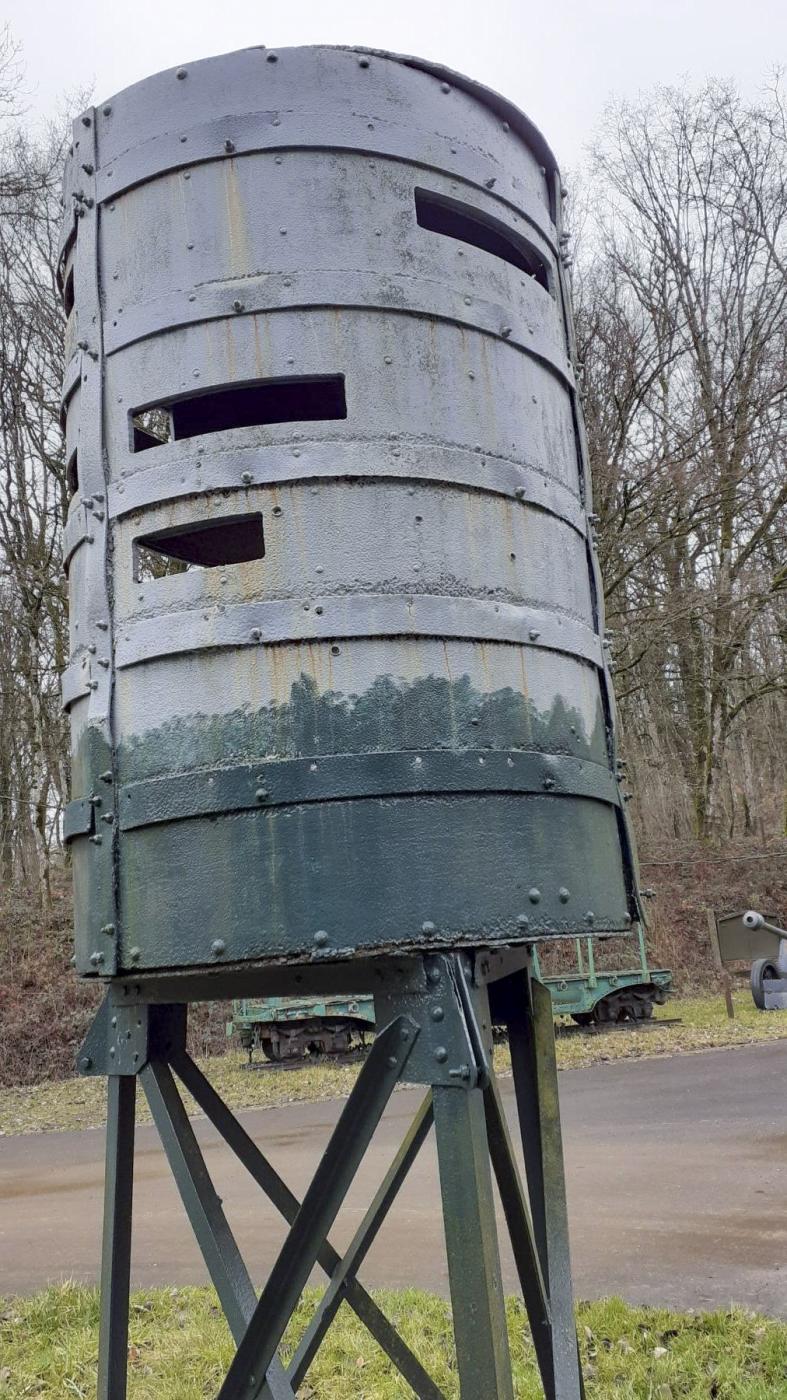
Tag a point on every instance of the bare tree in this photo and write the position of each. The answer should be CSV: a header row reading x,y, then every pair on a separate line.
x,y
682,298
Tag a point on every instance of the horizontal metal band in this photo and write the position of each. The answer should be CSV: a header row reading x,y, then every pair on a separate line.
x,y
406,458
280,130
76,681
355,615
287,782
77,818
76,530
390,294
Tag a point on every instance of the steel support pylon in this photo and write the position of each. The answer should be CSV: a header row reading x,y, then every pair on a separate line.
x,y
435,1015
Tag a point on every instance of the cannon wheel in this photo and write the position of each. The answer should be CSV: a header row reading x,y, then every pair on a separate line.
x,y
760,969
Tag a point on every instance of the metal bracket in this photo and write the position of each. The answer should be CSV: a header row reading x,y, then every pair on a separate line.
x,y
454,1044
126,1033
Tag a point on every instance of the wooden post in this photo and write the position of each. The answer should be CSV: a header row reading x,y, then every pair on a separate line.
x,y
713,934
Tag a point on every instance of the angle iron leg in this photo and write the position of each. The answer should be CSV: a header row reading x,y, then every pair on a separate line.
x,y
480,1333
116,1246
532,1041
520,1230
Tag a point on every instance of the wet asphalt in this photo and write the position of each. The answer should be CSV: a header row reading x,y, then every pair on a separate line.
x,y
677,1185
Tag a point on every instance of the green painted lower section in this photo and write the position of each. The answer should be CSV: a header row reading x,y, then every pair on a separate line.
x,y
367,873
326,879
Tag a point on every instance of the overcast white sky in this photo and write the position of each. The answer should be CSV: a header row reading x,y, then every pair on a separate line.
x,y
560,60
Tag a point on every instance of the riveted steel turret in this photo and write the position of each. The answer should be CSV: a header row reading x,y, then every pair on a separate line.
x,y
337,682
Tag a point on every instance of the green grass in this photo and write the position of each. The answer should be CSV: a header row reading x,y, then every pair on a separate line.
x,y
179,1349
80,1103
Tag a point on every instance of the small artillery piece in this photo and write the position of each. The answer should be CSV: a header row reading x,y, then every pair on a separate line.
x,y
753,937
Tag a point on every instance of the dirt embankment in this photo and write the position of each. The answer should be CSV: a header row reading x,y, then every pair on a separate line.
x,y
45,1010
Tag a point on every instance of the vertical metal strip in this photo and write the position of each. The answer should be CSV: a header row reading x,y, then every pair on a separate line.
x,y
97,945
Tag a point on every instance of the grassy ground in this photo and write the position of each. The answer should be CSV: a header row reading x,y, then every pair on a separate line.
x,y
179,1348
79,1103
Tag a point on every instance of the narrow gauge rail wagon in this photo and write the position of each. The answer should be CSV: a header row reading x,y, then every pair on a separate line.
x,y
284,1028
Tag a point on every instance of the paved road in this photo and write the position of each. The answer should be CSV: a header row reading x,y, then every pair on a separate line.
x,y
677,1176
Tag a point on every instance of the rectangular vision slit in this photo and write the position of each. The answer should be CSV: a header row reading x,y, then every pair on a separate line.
x,y
453,219
206,544
301,399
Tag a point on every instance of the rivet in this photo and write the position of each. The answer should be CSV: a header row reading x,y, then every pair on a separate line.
x,y
217,947
246,478
106,776
86,121
272,57
237,306
441,1054
506,126
445,87
282,230
490,183
433,975
321,938
523,921
548,783
318,609
505,331
363,63
181,73
534,895
335,651
534,634
229,147
114,1022
276,121
389,359
277,160
186,174
96,958
428,927
134,954
109,930
564,895
392,1062
95,840
261,794
85,1062
107,110
438,1013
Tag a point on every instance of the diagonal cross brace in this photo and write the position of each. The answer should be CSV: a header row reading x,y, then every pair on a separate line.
x,y
321,1204
204,1209
277,1191
361,1244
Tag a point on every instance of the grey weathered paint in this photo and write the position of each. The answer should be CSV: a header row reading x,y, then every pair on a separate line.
x,y
429,582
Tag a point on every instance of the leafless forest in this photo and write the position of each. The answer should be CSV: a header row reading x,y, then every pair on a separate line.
x,y
679,246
